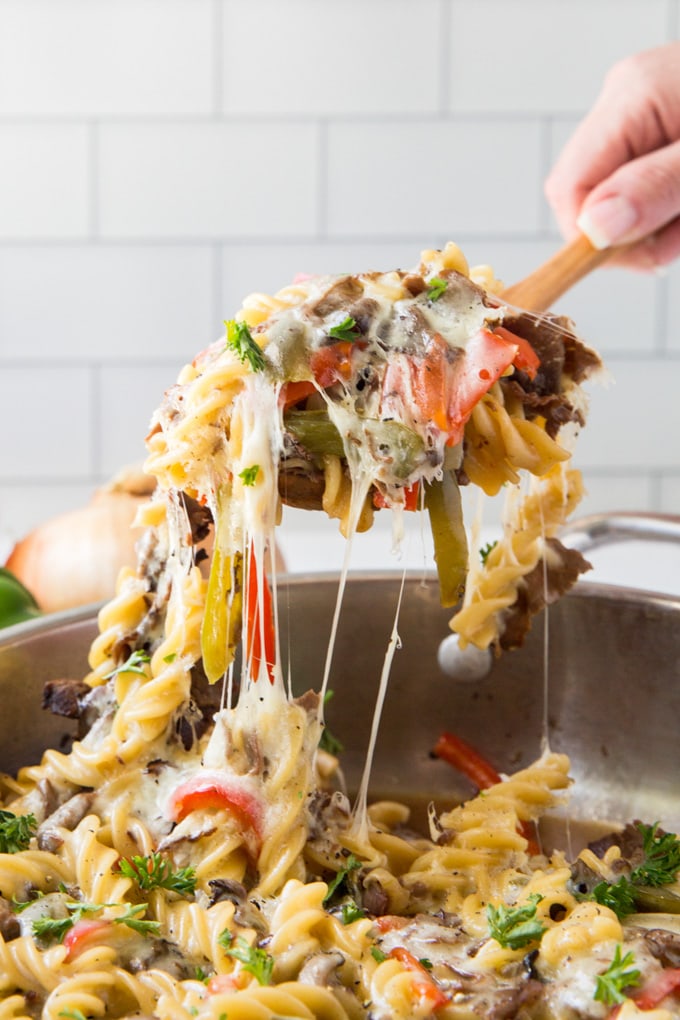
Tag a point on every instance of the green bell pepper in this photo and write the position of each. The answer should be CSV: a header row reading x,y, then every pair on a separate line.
x,y
16,602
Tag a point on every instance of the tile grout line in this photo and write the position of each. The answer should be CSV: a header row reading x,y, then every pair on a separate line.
x,y
218,58
96,422
323,182
445,27
93,159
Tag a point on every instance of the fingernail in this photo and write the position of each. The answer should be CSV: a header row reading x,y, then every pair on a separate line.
x,y
608,222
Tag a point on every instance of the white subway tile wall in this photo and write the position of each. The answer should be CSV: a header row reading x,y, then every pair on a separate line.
x,y
162,158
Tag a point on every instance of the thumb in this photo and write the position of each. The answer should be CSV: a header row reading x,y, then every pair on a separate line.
x,y
635,201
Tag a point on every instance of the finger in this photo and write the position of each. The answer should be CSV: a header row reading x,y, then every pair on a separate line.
x,y
638,199
629,119
652,252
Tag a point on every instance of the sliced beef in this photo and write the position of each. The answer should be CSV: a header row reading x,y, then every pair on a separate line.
x,y
346,296
9,922
508,1003
200,518
629,840
64,696
559,349
302,488
67,816
540,588
554,407
664,945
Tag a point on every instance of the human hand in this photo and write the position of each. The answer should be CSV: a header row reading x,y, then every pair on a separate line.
x,y
618,178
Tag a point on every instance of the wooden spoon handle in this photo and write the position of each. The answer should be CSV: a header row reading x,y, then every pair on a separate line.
x,y
538,291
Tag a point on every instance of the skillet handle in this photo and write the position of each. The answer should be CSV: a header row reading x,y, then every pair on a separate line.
x,y
598,530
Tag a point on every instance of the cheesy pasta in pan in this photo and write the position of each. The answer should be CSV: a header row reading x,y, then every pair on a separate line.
x,y
194,853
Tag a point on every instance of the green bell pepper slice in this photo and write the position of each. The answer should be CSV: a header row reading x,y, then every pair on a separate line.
x,y
16,602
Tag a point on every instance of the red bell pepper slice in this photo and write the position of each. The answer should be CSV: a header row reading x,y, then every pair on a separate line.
x,y
424,986
82,935
464,758
294,392
259,622
526,359
221,983
657,988
332,363
411,500
210,790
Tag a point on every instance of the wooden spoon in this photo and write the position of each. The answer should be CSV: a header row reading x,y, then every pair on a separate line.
x,y
540,289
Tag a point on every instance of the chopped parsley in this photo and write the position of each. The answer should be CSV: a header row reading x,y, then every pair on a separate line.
x,y
351,912
52,929
662,857
515,927
352,864
72,1014
378,954
170,658
485,550
620,974
16,831
155,872
249,474
256,961
619,897
240,340
328,742
225,939
345,330
132,920
436,287
133,664
424,962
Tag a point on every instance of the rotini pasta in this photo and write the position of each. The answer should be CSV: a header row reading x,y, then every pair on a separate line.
x,y
193,854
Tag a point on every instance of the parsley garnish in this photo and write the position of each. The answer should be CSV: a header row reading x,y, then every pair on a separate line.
x,y
170,658
485,550
378,954
424,962
72,1014
52,929
351,912
134,664
352,864
328,742
515,927
240,340
225,939
256,961
201,975
620,897
249,474
609,986
345,330
662,857
16,831
155,872
436,287
132,920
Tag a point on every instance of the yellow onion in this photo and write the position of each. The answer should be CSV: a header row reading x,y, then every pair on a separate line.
x,y
74,559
